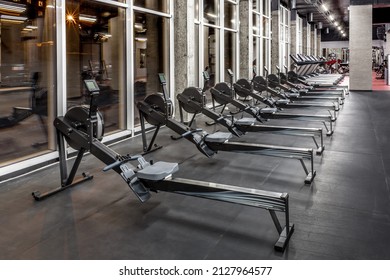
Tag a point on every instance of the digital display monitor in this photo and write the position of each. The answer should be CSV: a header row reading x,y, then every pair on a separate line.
x,y
91,85
161,76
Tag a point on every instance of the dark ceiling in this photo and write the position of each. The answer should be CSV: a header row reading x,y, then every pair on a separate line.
x,y
340,11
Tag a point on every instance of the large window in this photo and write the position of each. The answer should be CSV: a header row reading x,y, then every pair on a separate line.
x,y
217,27
151,50
261,31
284,37
95,49
27,79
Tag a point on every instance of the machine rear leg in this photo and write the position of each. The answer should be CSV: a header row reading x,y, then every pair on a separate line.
x,y
309,174
67,181
284,233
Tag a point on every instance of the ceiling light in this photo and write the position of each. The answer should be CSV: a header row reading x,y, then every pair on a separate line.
x,y
12,19
12,7
336,23
87,18
331,17
324,7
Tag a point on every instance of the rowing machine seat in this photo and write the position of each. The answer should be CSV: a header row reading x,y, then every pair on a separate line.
x,y
158,171
218,137
268,110
246,121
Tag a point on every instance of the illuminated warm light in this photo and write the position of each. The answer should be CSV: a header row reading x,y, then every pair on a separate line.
x,y
339,28
87,18
12,19
344,35
32,27
324,7
12,7
336,23
331,17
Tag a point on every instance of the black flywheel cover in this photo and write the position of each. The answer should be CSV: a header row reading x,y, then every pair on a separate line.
x,y
245,84
224,89
157,102
78,117
195,95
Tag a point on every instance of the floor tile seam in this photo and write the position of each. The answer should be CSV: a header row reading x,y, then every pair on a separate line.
x,y
222,235
327,150
356,211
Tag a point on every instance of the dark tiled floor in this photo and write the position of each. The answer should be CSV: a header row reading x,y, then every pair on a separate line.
x,y
345,214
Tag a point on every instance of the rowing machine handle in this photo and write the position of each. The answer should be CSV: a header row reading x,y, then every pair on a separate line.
x,y
120,162
185,134
266,71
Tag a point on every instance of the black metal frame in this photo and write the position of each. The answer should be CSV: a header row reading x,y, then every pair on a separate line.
x,y
239,129
199,138
85,140
280,115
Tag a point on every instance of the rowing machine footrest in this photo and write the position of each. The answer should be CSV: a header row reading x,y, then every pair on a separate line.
x,y
246,121
158,171
283,102
292,95
218,137
268,110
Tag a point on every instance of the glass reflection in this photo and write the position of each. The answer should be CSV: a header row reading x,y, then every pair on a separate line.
x,y
27,79
151,39
96,50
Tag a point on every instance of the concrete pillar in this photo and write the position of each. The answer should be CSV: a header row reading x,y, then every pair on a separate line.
x,y
184,47
360,45
246,39
305,39
313,40
294,40
319,48
275,52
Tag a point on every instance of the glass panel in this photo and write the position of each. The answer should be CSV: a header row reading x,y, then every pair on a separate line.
x,y
211,11
265,7
196,10
155,5
27,80
230,51
230,15
151,38
265,27
95,50
211,56
281,32
256,24
255,54
255,5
